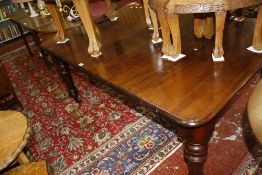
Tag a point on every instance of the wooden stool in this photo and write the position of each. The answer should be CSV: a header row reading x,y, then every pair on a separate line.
x,y
33,168
168,11
14,133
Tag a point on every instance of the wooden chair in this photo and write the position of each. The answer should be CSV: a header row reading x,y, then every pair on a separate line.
x,y
254,110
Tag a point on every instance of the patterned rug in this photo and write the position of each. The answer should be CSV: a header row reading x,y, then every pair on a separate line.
x,y
108,132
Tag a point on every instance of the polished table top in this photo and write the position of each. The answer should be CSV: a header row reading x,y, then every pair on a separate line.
x,y
43,24
190,92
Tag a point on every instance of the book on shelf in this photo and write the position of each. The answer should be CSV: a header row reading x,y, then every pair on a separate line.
x,y
7,11
10,32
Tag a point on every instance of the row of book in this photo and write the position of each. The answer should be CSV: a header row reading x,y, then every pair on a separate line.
x,y
7,11
10,32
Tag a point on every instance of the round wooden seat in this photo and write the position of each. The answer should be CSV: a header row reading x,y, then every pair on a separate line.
x,y
14,133
254,110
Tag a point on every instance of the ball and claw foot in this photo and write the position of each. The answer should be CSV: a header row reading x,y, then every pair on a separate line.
x,y
94,49
165,49
218,55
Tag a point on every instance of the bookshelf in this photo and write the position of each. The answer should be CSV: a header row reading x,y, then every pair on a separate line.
x,y
8,29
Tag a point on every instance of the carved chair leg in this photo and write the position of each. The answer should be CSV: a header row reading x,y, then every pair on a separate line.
x,y
173,23
165,33
146,9
155,36
22,159
257,38
199,25
83,9
220,22
111,13
60,35
209,28
196,146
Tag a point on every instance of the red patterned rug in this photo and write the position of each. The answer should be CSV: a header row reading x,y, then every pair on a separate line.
x,y
106,122
109,134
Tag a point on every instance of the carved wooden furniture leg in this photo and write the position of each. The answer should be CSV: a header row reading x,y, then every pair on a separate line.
x,y
24,39
155,36
209,28
83,9
60,35
146,9
165,33
220,22
65,74
199,25
111,13
196,146
257,38
203,26
173,23
22,159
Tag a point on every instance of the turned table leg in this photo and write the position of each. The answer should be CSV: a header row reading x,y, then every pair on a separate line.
x,y
257,38
220,22
65,74
83,9
196,146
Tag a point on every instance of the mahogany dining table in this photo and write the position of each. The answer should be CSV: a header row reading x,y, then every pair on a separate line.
x,y
189,93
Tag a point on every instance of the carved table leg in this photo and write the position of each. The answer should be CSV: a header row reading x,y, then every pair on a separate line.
x,y
257,38
220,22
196,146
155,36
173,23
111,13
65,74
83,9
60,35
146,9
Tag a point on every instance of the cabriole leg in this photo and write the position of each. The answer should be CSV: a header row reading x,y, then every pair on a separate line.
x,y
257,38
220,22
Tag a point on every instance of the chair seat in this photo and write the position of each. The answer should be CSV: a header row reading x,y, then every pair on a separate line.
x,y
254,110
205,6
